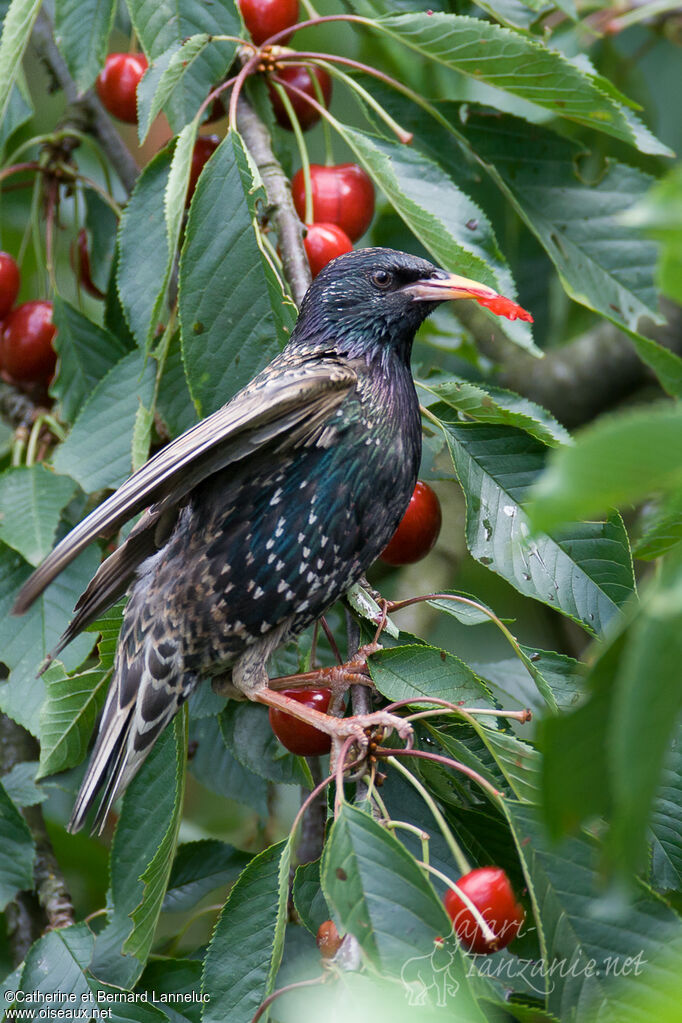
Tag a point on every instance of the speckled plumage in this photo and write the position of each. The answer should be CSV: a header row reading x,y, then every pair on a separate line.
x,y
256,529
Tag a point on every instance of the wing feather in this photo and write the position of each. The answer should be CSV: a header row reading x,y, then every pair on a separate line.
x,y
286,405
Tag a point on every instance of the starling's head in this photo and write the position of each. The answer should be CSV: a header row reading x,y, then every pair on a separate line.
x,y
373,299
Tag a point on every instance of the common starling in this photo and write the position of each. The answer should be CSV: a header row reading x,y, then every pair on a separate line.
x,y
263,515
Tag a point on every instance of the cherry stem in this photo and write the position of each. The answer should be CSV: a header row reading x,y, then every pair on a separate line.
x,y
214,95
279,85
286,32
17,168
456,598
248,69
437,758
339,796
453,844
403,136
489,935
330,639
312,982
422,835
515,715
307,801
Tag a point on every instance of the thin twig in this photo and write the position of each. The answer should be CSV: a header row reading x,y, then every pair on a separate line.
x,y
280,204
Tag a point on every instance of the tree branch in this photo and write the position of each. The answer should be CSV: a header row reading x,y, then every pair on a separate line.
x,y
49,905
86,111
583,378
280,204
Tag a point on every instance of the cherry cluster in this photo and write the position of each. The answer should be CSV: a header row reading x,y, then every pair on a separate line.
x,y
27,355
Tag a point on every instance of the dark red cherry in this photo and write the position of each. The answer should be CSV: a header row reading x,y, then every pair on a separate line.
x,y
10,282
117,84
265,18
418,530
490,891
342,195
26,351
324,242
300,78
299,737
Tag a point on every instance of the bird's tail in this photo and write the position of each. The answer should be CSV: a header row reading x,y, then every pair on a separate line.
x,y
148,688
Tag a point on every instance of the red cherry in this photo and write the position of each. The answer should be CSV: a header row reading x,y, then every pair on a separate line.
x,y
418,529
204,147
26,350
493,896
117,84
299,77
9,283
265,18
342,195
80,262
325,242
298,737
328,939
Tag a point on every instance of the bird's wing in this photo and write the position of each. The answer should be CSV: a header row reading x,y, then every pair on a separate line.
x,y
286,406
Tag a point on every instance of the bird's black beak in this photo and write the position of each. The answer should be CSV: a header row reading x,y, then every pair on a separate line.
x,y
439,289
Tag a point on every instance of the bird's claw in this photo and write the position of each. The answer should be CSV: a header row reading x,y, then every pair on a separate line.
x,y
363,727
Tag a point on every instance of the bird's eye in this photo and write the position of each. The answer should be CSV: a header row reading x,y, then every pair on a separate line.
x,y
382,279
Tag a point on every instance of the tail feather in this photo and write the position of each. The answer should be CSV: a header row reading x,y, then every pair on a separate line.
x,y
147,690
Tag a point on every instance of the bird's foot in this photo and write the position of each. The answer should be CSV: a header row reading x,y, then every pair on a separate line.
x,y
338,677
361,728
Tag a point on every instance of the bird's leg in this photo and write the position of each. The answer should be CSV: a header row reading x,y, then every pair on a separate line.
x,y
250,677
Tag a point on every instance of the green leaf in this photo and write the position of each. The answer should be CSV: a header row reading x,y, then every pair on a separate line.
x,y
662,529
167,981
20,784
436,211
616,461
198,868
26,641
231,324
419,672
246,948
98,451
464,613
54,969
643,716
18,112
155,878
623,942
602,263
380,894
86,354
16,32
163,25
666,823
487,404
139,866
248,734
624,711
162,78
31,502
68,716
515,681
516,64
308,896
82,33
585,572
174,403
144,250
216,767
17,850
